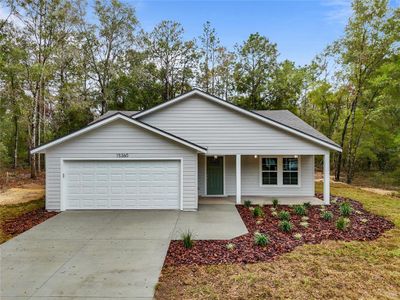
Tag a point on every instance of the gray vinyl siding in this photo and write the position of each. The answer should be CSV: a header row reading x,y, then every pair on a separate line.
x,y
225,131
251,178
120,137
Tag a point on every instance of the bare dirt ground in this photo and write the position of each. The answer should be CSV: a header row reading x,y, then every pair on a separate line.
x,y
379,191
25,193
16,186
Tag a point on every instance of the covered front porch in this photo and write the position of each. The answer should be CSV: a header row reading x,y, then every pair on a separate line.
x,y
261,200
260,178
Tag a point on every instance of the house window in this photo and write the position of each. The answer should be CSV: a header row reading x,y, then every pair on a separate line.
x,y
290,172
269,170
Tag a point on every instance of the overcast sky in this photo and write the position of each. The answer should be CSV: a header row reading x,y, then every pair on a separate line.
x,y
301,28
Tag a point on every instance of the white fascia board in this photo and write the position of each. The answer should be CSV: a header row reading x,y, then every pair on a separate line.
x,y
241,110
111,119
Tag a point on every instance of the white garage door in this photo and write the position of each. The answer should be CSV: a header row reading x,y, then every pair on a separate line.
x,y
122,184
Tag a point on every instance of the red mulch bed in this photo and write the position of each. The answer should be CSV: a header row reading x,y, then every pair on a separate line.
x,y
206,252
26,221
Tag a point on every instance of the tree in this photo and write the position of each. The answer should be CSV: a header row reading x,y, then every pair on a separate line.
x,y
173,57
45,24
107,40
12,94
257,61
370,37
209,46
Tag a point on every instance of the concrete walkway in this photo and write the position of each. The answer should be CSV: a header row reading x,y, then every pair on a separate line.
x,y
103,254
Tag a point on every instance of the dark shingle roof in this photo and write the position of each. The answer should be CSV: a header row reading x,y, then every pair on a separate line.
x,y
289,119
128,113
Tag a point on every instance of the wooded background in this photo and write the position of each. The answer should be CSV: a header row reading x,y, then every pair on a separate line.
x,y
58,71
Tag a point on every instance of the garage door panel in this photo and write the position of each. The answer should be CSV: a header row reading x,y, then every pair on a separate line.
x,y
122,184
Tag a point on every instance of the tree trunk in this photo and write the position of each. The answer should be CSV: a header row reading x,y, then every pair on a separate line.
x,y
16,135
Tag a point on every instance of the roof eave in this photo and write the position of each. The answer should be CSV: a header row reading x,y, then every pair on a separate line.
x,y
111,118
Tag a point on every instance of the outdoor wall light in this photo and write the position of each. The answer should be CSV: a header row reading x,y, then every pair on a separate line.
x,y
255,156
215,156
296,156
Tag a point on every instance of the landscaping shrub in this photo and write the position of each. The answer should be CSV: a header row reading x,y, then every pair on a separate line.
x,y
247,203
285,226
307,205
230,246
274,214
342,223
345,209
284,215
261,239
258,212
305,218
304,224
297,236
327,215
300,210
187,238
275,202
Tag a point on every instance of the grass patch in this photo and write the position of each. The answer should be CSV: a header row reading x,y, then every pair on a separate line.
x,y
8,212
331,270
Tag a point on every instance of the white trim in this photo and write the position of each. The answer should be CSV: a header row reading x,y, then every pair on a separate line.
x,y
205,176
241,110
326,179
111,119
280,171
238,179
62,177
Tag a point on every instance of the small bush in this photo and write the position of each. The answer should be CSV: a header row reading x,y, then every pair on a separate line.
x,y
285,226
247,203
300,210
305,218
258,222
342,223
274,214
345,209
272,209
304,224
275,202
258,212
358,212
322,208
284,215
307,205
364,220
327,215
230,246
187,238
261,239
297,236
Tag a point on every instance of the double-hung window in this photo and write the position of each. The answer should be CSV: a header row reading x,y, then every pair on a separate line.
x,y
269,170
290,172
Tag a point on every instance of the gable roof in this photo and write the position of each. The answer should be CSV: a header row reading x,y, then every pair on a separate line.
x,y
117,116
127,113
290,119
292,124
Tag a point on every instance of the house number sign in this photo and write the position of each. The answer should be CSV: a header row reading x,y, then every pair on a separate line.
x,y
122,155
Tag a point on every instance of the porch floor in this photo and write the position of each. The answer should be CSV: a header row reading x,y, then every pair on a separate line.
x,y
261,200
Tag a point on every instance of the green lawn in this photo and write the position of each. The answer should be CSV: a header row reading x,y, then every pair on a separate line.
x,y
11,211
331,270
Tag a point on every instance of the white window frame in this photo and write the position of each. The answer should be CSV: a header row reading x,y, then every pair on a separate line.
x,y
280,171
298,171
277,171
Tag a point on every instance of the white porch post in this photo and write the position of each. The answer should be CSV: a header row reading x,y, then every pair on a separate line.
x,y
238,179
326,179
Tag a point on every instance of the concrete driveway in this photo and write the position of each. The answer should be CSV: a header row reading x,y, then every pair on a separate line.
x,y
105,254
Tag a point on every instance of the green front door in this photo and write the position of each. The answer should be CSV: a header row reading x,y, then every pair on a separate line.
x,y
215,175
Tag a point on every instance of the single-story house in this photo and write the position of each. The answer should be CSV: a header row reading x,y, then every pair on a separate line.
x,y
195,145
